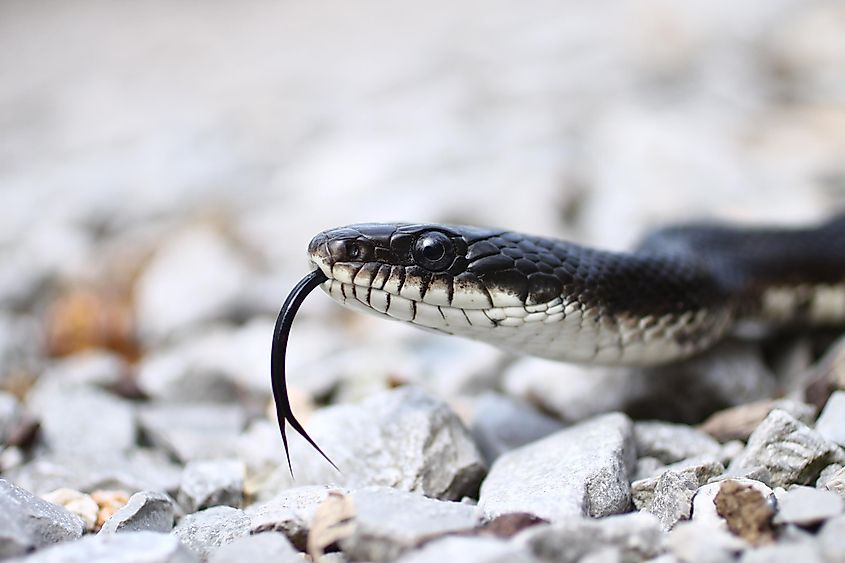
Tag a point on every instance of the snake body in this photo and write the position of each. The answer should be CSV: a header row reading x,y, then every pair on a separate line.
x,y
677,294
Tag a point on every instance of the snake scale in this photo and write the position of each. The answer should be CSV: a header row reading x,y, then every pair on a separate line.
x,y
677,294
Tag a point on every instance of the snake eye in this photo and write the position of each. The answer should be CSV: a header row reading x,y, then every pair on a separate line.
x,y
353,250
433,251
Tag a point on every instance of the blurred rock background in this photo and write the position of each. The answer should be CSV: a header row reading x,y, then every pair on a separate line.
x,y
163,166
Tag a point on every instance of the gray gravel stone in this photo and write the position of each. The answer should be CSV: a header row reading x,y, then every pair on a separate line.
x,y
290,512
789,449
468,550
700,542
672,442
269,547
191,431
27,522
500,424
670,498
137,470
404,438
389,522
131,547
208,529
805,506
146,511
698,471
831,422
196,277
637,536
211,483
83,420
832,539
582,470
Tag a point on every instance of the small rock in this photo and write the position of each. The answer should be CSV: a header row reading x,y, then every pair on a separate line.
x,y
196,277
737,423
191,431
137,470
83,420
388,522
204,531
806,506
805,552
697,471
403,438
637,536
76,502
836,482
131,547
269,547
831,422
747,512
212,483
789,449
671,498
582,470
500,424
468,550
146,511
28,523
832,539
290,512
700,542
672,442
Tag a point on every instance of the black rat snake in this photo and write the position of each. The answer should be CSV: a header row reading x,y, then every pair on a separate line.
x,y
682,290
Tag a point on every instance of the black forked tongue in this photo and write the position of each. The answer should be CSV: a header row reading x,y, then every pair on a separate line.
x,y
277,360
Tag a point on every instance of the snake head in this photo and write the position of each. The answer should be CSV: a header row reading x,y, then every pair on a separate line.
x,y
449,278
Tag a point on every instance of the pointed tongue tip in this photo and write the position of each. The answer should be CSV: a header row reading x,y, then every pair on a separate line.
x,y
278,353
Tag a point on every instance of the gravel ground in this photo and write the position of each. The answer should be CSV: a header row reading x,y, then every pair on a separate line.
x,y
163,166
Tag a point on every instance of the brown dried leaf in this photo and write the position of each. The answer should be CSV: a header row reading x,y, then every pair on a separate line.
x,y
747,512
333,521
737,423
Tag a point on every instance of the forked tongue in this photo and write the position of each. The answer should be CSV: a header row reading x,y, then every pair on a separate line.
x,y
277,360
